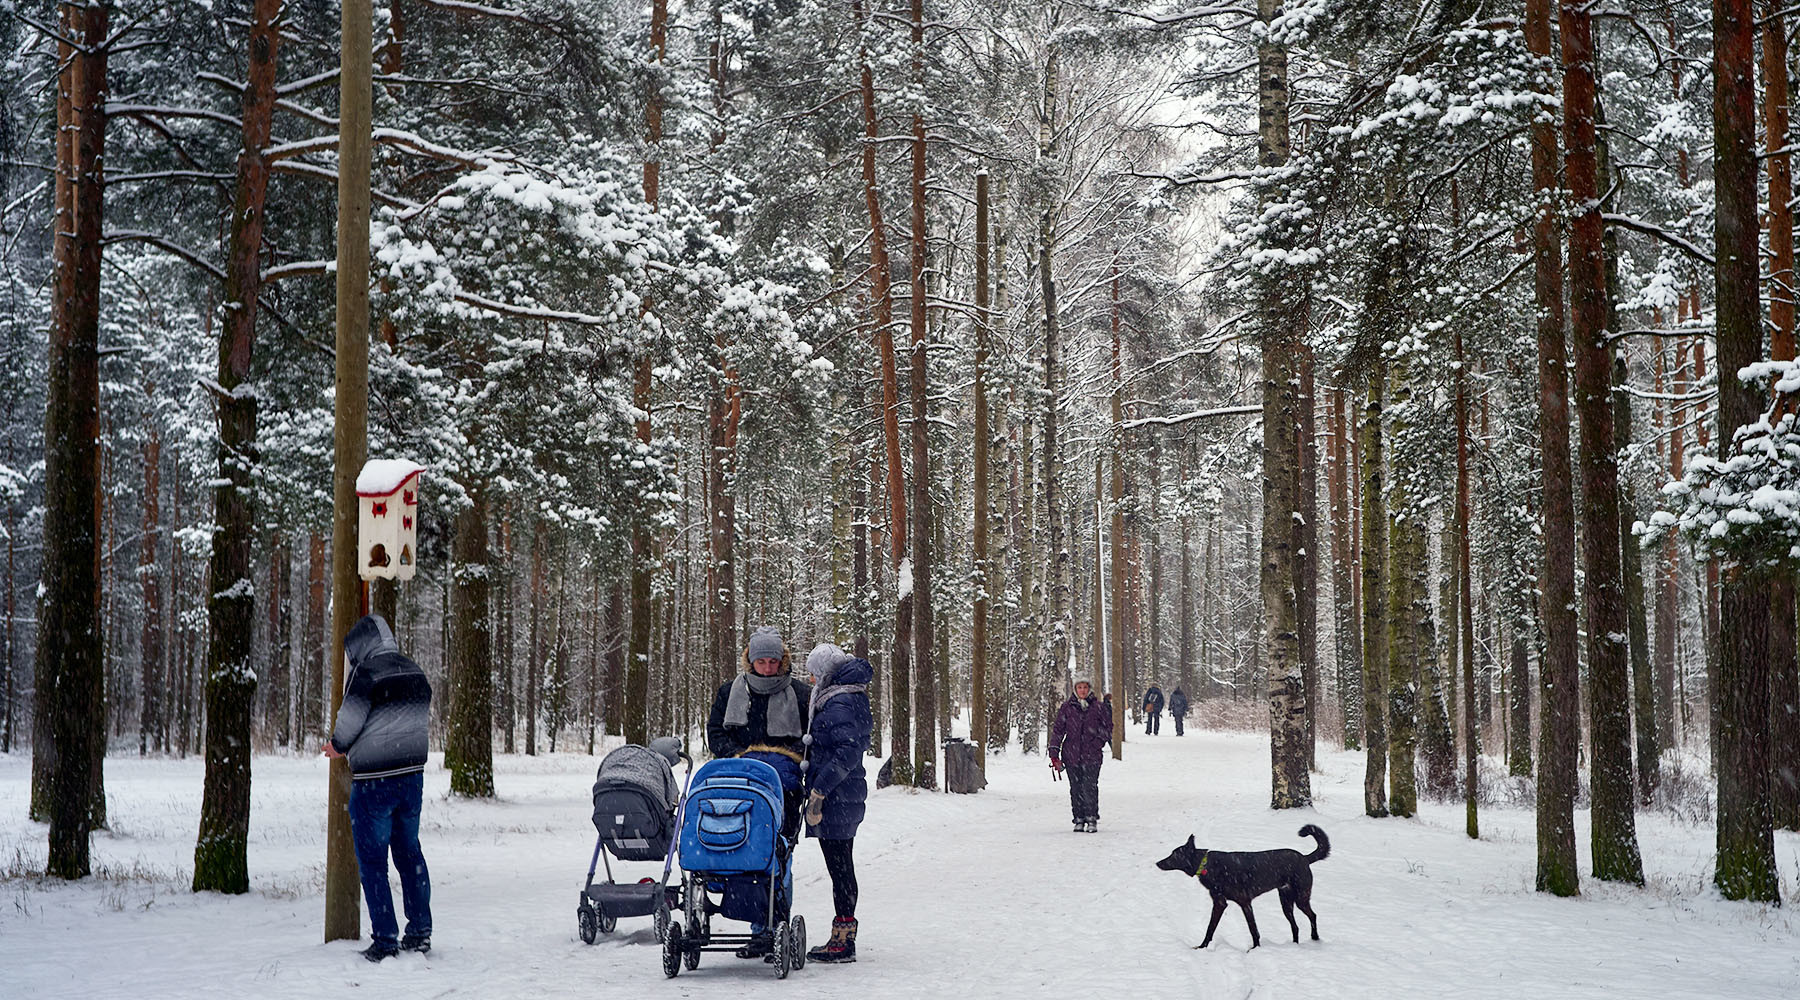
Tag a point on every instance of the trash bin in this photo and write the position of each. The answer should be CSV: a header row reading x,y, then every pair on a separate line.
x,y
962,767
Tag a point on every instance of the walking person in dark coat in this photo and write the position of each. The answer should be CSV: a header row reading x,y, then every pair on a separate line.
x,y
382,727
761,715
837,786
1153,706
1079,741
1178,708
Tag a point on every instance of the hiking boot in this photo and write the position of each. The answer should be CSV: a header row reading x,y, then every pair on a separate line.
x,y
420,943
1093,826
842,946
378,951
758,946
1080,826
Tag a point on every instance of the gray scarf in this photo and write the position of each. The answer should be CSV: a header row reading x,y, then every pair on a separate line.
x,y
783,720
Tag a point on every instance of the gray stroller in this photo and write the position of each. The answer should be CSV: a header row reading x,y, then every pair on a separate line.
x,y
637,810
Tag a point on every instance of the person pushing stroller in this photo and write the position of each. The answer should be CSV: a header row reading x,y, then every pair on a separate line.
x,y
761,715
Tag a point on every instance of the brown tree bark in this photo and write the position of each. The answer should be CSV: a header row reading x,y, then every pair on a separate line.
x,y
1346,626
1557,869
1784,668
469,744
984,576
1614,829
924,677
220,860
1374,585
1466,622
1122,695
69,729
1282,339
150,645
1745,836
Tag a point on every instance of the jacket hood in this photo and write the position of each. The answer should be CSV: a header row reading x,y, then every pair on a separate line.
x,y
369,638
851,671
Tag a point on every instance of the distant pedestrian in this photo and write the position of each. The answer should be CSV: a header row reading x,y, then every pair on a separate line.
x,y
382,727
1078,741
837,795
1178,709
1153,706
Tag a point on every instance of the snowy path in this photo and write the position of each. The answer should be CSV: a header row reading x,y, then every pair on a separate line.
x,y
969,897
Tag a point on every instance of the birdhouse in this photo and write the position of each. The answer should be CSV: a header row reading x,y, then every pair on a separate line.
x,y
387,531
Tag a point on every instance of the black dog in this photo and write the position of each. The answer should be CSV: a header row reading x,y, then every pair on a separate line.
x,y
1241,876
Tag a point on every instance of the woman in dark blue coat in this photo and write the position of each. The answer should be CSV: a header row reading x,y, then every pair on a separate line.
x,y
837,787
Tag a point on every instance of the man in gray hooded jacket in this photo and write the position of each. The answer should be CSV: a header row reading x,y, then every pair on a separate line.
x,y
382,727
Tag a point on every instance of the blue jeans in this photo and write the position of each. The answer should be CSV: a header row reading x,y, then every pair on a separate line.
x,y
384,814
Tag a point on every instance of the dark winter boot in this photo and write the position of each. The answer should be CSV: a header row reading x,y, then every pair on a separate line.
x,y
378,951
420,943
758,946
842,946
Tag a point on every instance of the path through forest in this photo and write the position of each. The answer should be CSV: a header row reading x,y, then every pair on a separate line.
x,y
966,897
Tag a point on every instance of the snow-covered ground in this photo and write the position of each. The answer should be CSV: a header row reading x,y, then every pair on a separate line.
x,y
964,896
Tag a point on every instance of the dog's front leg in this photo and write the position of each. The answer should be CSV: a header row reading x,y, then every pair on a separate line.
x,y
1213,924
1250,918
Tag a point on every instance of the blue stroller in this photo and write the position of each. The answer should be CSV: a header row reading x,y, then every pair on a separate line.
x,y
637,810
732,846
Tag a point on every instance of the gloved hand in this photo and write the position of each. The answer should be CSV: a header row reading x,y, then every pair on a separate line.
x,y
1056,765
815,808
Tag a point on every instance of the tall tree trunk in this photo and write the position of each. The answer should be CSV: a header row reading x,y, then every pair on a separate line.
x,y
536,644
881,271
1746,846
1784,669
469,744
1057,583
220,860
1123,695
984,578
643,554
275,712
69,729
1408,613
924,639
1558,869
1465,622
150,647
1306,546
1614,828
1345,630
1374,585
1282,338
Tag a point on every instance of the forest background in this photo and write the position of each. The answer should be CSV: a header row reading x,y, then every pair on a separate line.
x,y
1414,376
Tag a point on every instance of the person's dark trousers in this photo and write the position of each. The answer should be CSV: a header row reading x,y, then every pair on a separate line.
x,y
1084,791
1179,729
842,869
1153,724
384,815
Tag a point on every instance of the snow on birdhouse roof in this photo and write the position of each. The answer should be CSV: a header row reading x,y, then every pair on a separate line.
x,y
383,476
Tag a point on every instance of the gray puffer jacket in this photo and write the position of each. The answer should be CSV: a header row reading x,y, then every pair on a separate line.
x,y
385,719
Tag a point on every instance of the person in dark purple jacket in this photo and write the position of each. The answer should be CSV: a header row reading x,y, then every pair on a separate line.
x,y
1078,742
837,786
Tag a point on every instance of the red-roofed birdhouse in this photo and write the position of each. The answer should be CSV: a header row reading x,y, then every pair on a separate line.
x,y
387,535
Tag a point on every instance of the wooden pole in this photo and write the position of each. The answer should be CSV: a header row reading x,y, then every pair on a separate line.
x,y
343,914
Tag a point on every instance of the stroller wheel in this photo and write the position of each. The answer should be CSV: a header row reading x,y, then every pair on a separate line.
x,y
589,922
607,922
671,953
784,954
797,940
661,918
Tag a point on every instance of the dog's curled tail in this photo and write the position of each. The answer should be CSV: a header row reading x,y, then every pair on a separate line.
x,y
1317,834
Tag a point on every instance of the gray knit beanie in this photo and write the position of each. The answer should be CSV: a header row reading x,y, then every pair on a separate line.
x,y
765,642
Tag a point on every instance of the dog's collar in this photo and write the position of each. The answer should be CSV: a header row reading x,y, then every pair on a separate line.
x,y
1202,869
